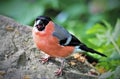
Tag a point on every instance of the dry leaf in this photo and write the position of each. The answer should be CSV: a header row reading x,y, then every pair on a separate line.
x,y
81,59
72,63
77,55
101,70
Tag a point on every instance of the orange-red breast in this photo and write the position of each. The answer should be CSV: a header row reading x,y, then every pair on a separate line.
x,y
55,41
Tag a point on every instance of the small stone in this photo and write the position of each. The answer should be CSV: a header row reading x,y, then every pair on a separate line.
x,y
26,77
9,28
92,72
2,72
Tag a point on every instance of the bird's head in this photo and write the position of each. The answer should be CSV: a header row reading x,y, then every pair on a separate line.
x,y
41,22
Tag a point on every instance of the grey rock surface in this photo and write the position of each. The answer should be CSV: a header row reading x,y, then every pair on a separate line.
x,y
19,58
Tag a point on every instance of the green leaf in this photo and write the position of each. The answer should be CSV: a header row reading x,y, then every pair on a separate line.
x,y
115,56
116,32
21,10
97,28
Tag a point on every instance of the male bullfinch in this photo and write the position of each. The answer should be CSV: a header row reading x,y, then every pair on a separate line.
x,y
55,41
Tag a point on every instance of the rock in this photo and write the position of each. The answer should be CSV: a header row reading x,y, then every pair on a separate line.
x,y
19,58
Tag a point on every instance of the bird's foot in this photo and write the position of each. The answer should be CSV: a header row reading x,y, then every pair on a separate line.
x,y
44,60
59,72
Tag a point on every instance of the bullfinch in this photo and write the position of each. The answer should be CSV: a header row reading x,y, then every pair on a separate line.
x,y
57,42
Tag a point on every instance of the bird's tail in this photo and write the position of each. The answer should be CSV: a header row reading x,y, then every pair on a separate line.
x,y
87,49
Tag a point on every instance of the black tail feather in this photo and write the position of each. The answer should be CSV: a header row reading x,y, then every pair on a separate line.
x,y
87,49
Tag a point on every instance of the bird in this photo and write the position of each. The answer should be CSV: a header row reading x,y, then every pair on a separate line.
x,y
56,41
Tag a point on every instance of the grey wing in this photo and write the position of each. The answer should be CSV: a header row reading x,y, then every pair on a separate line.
x,y
62,34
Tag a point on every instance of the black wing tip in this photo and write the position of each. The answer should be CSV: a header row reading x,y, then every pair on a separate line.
x,y
99,53
85,48
102,55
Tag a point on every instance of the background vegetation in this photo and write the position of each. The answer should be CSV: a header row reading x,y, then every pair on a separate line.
x,y
94,22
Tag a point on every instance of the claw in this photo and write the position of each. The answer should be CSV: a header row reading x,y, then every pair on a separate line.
x,y
58,72
44,60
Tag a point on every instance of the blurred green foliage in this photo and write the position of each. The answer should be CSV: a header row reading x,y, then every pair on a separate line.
x,y
92,21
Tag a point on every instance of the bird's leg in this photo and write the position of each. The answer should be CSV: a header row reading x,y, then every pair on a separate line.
x,y
60,70
45,59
